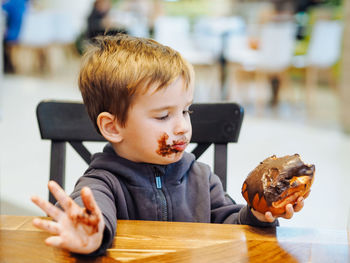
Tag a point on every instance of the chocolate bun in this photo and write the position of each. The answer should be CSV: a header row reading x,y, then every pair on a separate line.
x,y
276,182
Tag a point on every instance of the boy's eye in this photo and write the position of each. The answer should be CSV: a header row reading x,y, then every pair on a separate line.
x,y
162,118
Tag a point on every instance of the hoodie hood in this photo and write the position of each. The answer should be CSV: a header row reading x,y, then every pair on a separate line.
x,y
138,173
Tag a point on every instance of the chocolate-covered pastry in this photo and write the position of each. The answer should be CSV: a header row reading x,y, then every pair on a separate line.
x,y
276,182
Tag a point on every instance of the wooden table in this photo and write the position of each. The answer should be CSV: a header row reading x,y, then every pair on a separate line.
x,y
146,241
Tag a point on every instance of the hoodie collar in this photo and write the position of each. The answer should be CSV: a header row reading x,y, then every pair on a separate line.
x,y
133,172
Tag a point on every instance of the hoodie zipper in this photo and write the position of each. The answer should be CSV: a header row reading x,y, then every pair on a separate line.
x,y
160,195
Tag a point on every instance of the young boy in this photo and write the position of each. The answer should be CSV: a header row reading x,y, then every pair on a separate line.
x,y
138,93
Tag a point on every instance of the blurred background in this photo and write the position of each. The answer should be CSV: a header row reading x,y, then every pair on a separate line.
x,y
286,62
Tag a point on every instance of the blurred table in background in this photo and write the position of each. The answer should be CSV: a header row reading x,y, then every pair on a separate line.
x,y
148,241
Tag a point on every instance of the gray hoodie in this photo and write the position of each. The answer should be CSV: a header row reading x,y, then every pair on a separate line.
x,y
185,191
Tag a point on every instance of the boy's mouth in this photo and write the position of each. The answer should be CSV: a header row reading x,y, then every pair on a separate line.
x,y
179,146
165,149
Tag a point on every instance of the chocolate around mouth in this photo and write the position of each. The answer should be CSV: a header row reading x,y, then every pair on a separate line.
x,y
273,177
165,149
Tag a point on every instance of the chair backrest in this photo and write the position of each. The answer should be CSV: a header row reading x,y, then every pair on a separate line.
x,y
62,122
276,45
325,43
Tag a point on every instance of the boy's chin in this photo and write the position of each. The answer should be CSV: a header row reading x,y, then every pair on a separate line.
x,y
173,158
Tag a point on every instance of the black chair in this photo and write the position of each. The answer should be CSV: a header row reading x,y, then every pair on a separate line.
x,y
62,122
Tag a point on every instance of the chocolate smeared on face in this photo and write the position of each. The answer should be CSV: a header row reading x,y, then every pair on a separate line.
x,y
273,179
165,149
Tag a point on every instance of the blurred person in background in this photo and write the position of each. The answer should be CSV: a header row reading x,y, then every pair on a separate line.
x,y
99,22
14,11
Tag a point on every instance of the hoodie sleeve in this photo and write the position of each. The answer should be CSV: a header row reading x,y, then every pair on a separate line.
x,y
225,210
105,199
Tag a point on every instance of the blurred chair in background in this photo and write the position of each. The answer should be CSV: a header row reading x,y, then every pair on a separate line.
x,y
176,33
270,57
323,53
210,34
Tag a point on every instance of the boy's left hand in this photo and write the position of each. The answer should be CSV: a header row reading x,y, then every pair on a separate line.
x,y
290,209
77,229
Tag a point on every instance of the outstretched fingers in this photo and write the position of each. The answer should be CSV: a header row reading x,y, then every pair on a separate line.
x,y
47,225
94,216
89,201
63,199
47,207
54,241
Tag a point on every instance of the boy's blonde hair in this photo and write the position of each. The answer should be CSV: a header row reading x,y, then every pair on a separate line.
x,y
116,68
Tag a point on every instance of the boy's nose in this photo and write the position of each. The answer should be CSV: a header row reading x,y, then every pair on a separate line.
x,y
182,125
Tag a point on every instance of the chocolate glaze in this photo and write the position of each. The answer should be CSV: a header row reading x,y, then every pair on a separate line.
x,y
272,177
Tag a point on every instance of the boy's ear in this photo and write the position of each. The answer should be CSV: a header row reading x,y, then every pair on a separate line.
x,y
109,127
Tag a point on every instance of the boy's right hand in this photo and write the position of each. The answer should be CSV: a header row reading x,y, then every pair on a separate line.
x,y
79,230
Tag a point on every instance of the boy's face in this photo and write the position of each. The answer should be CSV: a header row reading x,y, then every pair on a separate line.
x,y
158,126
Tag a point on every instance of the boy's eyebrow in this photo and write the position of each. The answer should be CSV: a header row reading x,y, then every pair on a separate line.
x,y
170,107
